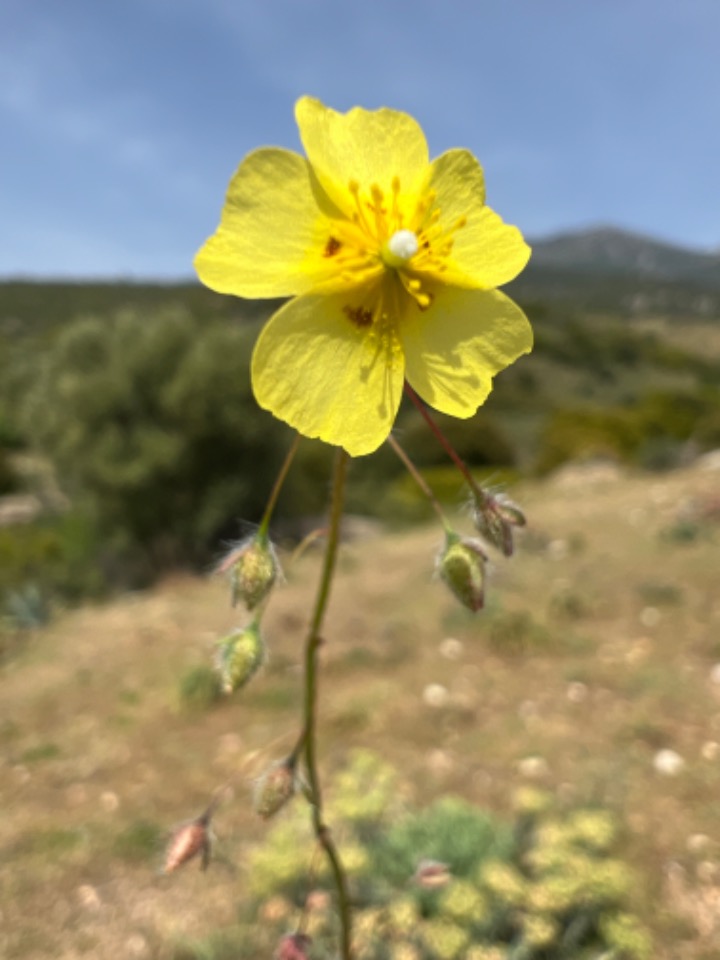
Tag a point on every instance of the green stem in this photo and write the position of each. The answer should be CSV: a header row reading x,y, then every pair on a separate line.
x,y
322,832
277,487
420,481
447,446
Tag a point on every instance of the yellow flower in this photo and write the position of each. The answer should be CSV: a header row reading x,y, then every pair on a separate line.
x,y
392,262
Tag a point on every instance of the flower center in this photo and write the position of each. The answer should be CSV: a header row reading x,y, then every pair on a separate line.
x,y
401,246
397,234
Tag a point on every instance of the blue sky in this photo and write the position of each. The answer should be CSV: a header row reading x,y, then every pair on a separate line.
x,y
122,122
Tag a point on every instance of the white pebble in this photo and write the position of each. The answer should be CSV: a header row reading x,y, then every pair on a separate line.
x,y
109,801
697,842
668,763
533,767
435,695
451,649
577,692
710,750
558,549
650,616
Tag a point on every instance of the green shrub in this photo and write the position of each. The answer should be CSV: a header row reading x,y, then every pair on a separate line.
x,y
543,888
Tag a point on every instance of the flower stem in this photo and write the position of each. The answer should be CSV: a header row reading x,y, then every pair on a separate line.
x,y
421,482
322,832
277,487
447,446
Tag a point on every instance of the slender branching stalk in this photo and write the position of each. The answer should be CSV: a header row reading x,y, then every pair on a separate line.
x,y
421,482
447,446
277,487
312,643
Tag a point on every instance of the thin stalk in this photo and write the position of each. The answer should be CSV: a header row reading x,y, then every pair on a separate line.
x,y
447,446
420,481
277,487
322,832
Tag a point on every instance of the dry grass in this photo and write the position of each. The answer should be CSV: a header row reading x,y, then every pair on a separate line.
x,y
594,654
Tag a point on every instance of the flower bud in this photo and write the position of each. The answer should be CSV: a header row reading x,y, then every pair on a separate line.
x,y
495,516
240,656
462,567
187,842
253,569
275,788
432,874
293,946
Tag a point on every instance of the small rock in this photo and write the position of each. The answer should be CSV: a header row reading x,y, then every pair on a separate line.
x,y
109,801
668,763
577,692
89,897
698,842
451,649
650,616
435,695
533,767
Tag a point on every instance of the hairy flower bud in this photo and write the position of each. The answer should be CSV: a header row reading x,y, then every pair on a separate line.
x,y
277,785
240,656
432,874
495,516
253,569
462,567
187,842
293,946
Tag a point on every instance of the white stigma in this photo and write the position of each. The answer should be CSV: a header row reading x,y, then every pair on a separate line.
x,y
403,244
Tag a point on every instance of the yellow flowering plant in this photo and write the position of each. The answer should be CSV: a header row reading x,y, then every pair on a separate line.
x,y
392,263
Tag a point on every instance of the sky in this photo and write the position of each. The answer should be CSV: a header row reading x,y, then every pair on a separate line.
x,y
122,122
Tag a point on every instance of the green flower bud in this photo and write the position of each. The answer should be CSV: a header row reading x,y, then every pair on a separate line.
x,y
253,569
240,656
276,787
462,567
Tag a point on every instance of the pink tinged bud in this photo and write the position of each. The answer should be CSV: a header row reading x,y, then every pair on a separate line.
x,y
190,840
462,567
293,946
276,787
240,656
495,517
432,874
253,569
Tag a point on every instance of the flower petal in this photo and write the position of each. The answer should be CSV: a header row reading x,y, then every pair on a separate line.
x,y
455,347
370,147
486,252
321,366
275,226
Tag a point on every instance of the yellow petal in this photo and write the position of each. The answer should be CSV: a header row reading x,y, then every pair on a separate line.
x,y
369,147
486,252
328,375
455,347
275,227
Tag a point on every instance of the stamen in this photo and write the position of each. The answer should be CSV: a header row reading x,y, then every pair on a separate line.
x,y
379,210
396,215
359,213
414,288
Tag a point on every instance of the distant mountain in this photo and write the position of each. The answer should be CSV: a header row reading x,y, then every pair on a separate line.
x,y
611,250
608,270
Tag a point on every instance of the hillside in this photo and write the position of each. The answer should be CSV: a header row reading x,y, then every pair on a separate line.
x,y
612,270
591,673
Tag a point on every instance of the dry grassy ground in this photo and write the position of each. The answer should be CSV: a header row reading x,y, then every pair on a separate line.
x,y
596,653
